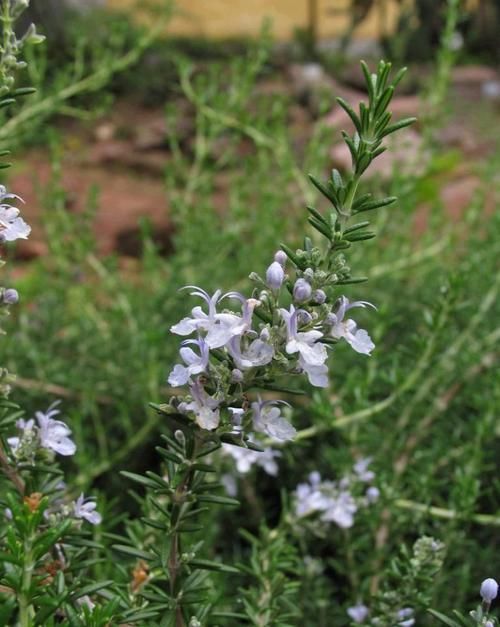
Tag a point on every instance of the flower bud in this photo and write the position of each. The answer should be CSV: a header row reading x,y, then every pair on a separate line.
x,y
10,296
281,258
180,437
488,590
319,296
309,274
265,334
372,494
275,275
301,291
236,376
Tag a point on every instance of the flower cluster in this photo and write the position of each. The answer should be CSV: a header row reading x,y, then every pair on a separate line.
x,y
12,226
285,328
46,433
336,501
401,618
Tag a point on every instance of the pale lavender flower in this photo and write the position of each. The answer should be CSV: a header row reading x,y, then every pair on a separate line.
x,y
308,500
12,226
275,275
489,590
219,327
340,510
86,509
406,617
195,364
312,354
204,407
361,469
301,291
267,419
54,434
10,296
348,329
257,353
245,458
358,613
372,494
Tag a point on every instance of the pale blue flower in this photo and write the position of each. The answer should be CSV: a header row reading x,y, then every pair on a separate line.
x,y
361,469
257,353
86,509
54,434
245,458
267,419
219,328
358,613
406,617
204,407
195,364
12,226
312,354
348,329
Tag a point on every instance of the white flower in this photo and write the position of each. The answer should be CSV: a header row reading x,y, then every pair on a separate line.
x,y
86,509
312,354
348,329
372,494
258,353
204,407
406,614
195,364
358,613
54,433
218,327
12,226
361,469
267,419
341,510
245,458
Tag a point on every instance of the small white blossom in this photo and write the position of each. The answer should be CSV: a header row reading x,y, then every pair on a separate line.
x,y
358,613
406,617
195,364
267,419
12,226
204,407
258,353
312,354
361,469
245,458
54,434
86,509
348,329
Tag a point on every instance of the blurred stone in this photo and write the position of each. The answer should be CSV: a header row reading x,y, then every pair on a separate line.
x,y
105,131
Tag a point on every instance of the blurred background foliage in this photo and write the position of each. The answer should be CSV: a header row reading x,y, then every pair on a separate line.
x,y
235,147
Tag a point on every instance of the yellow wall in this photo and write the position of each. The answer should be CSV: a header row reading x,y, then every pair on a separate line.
x,y
233,18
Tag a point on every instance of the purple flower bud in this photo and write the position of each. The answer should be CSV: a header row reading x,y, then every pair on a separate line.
x,y
372,494
10,296
281,258
301,291
319,296
275,275
236,376
488,590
